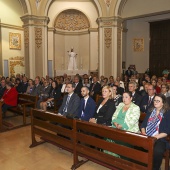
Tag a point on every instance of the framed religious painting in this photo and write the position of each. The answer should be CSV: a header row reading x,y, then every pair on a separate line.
x,y
14,41
138,44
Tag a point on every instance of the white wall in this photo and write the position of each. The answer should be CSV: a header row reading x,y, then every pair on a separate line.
x,y
11,12
142,7
87,7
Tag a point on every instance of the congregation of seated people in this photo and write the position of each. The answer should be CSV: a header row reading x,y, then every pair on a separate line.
x,y
112,102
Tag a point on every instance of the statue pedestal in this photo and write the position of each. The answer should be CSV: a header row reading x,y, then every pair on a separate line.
x,y
70,72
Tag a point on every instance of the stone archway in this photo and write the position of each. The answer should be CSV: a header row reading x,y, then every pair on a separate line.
x,y
26,6
71,31
97,3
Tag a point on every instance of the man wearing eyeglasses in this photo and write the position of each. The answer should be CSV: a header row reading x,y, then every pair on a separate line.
x,y
165,89
147,100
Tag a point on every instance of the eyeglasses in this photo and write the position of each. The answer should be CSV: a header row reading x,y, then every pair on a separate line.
x,y
163,87
156,101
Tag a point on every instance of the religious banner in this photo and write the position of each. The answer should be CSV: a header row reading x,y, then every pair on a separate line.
x,y
138,44
14,41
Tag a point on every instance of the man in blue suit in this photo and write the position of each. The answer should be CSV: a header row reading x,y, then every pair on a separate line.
x,y
87,105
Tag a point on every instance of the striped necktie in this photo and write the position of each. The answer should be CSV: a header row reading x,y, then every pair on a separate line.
x,y
67,102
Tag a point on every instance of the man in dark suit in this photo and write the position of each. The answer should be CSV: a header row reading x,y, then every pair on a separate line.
x,y
36,91
136,98
95,88
2,88
128,72
87,105
45,93
147,100
24,84
111,81
78,85
71,102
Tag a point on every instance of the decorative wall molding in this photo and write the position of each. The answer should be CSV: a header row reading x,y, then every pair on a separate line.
x,y
16,61
108,23
33,20
38,37
62,32
11,26
108,36
93,29
72,20
26,37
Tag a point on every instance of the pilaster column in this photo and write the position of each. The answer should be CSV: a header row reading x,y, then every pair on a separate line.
x,y
35,35
93,66
110,61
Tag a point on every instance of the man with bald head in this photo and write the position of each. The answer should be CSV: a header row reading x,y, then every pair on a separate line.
x,y
87,105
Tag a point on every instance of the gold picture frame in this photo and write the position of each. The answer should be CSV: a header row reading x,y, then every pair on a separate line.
x,y
14,41
138,44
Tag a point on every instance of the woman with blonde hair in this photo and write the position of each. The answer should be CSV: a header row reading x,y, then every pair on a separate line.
x,y
105,108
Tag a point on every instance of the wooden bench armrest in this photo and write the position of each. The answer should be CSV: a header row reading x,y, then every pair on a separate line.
x,y
29,103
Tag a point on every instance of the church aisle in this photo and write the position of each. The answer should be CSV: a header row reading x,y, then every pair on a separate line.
x,y
15,154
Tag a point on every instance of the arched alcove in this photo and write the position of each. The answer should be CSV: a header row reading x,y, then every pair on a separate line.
x,y
72,25
71,20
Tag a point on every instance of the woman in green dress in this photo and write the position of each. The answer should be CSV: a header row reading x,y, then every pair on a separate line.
x,y
126,117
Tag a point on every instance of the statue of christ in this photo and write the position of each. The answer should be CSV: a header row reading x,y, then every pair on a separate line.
x,y
72,65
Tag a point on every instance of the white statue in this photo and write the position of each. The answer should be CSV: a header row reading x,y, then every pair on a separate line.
x,y
72,65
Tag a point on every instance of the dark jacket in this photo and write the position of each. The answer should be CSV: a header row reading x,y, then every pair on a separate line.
x,y
89,110
24,87
36,90
77,90
104,116
136,99
2,90
73,105
144,106
95,88
164,126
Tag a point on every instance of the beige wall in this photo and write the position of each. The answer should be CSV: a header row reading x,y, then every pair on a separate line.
x,y
6,51
64,43
137,7
87,7
138,28
11,12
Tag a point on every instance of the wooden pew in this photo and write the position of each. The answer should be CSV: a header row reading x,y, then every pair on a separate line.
x,y
91,136
52,128
167,152
24,101
88,140
98,97
1,103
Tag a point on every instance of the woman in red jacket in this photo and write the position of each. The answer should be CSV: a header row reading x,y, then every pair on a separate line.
x,y
10,97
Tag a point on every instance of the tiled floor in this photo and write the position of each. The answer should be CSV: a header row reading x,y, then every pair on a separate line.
x,y
15,154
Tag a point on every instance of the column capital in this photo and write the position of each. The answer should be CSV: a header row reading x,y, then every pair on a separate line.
x,y
109,21
33,20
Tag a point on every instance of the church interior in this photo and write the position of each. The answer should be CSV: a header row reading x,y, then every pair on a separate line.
x,y
107,36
